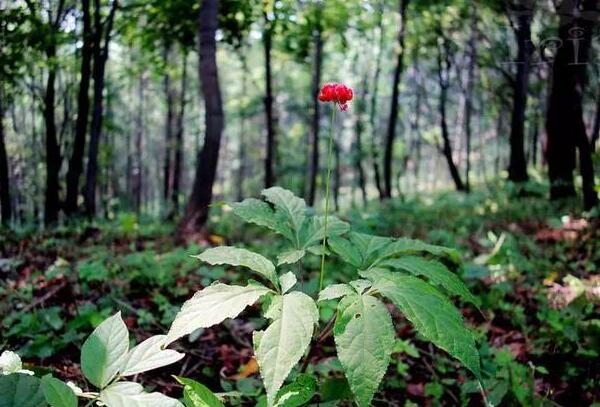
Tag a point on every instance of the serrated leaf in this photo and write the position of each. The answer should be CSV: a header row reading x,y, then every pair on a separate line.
x,y
406,246
241,257
436,272
104,351
285,202
260,213
312,230
345,250
430,312
364,339
288,280
359,249
130,394
285,340
198,395
331,292
290,257
149,355
213,305
298,393
360,285
57,393
21,390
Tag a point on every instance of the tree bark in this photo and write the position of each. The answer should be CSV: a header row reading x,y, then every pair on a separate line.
x,y
596,128
83,103
5,208
138,166
178,164
358,148
373,107
102,36
564,122
469,95
517,167
444,65
196,212
393,119
316,81
169,126
51,206
271,136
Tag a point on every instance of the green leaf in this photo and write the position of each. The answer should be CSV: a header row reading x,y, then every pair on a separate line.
x,y
288,280
284,342
334,291
241,257
312,230
360,285
436,272
364,339
285,202
298,393
149,355
360,250
260,213
430,312
290,257
410,246
21,390
57,393
104,351
213,305
198,395
130,394
346,250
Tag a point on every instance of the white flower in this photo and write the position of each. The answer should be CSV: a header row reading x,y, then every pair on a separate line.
x,y
10,363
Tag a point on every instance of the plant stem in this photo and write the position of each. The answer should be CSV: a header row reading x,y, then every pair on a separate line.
x,y
327,187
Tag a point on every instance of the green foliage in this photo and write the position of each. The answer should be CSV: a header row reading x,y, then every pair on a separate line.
x,y
57,393
197,395
21,390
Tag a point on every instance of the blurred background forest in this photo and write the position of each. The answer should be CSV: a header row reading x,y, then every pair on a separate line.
x,y
104,103
127,124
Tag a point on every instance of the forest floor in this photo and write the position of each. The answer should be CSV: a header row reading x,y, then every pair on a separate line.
x,y
532,265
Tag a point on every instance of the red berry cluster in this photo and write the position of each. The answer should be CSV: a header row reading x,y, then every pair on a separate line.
x,y
337,93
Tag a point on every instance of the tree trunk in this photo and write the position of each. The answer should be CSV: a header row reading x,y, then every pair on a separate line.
x,y
517,167
138,166
596,128
83,103
564,122
169,126
373,107
178,164
196,212
5,209
391,130
358,149
271,136
51,206
469,95
444,65
316,81
102,31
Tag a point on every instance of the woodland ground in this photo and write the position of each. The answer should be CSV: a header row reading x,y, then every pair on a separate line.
x,y
539,344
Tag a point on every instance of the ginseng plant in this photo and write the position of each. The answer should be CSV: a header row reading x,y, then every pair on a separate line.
x,y
416,277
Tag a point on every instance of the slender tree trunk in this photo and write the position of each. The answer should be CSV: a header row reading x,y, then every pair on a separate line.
x,y
517,167
83,103
196,212
444,65
564,122
102,31
169,126
271,136
5,209
52,205
373,107
241,174
138,166
391,130
469,95
179,138
596,128
316,81
358,148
